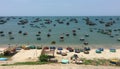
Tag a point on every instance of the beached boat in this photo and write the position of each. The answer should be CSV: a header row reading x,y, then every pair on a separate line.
x,y
65,61
3,59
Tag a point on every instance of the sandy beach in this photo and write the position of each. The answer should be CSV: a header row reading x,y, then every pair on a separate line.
x,y
33,54
58,66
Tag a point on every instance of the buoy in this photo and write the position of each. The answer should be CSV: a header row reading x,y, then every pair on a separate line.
x,y
82,39
9,32
85,43
53,42
20,32
74,34
2,35
67,34
73,30
25,33
39,32
48,35
11,38
1,32
67,23
39,38
87,35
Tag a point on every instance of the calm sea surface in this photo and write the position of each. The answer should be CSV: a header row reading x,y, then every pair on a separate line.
x,y
38,28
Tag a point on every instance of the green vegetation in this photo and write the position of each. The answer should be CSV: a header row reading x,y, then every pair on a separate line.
x,y
3,56
87,62
25,63
96,62
43,58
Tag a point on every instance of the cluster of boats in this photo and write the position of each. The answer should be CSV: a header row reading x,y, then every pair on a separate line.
x,y
40,23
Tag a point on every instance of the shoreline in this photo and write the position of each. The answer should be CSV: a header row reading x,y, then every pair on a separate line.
x,y
63,45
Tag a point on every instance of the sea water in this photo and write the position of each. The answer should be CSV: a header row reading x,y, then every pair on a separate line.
x,y
58,30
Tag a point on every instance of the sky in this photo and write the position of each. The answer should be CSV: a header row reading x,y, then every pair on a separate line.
x,y
59,7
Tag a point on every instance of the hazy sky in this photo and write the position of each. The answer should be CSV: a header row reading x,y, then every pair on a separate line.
x,y
59,7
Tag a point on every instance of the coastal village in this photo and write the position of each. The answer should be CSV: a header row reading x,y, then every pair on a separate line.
x,y
63,55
